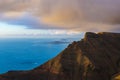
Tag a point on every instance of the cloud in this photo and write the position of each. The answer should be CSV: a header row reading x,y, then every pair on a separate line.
x,y
78,15
23,19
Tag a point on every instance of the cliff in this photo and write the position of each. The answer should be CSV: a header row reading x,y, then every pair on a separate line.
x,y
95,57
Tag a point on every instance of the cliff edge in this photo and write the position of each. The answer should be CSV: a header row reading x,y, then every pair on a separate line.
x,y
95,57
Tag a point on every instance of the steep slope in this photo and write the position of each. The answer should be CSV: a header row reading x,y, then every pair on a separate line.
x,y
96,57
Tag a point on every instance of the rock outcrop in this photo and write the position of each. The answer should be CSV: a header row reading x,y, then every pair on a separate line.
x,y
95,57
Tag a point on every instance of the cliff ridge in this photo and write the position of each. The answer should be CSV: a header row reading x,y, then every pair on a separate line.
x,y
95,57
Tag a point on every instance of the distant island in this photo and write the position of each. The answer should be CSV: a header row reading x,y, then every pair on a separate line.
x,y
95,57
58,42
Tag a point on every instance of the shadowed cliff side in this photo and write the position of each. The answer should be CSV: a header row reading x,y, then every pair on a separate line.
x,y
96,57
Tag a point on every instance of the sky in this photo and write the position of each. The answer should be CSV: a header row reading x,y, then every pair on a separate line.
x,y
20,31
47,18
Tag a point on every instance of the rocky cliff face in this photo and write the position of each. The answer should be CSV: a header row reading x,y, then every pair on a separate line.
x,y
96,57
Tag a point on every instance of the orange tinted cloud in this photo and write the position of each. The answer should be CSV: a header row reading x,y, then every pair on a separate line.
x,y
82,15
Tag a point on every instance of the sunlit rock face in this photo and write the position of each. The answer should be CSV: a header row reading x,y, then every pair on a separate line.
x,y
116,77
95,57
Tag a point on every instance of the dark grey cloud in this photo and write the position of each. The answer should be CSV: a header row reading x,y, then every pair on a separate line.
x,y
81,15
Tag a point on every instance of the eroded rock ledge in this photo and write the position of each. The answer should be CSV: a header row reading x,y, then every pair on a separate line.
x,y
95,57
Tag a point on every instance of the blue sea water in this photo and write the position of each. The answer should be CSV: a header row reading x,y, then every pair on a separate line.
x,y
28,53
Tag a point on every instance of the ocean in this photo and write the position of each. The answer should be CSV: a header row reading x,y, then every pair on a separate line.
x,y
28,53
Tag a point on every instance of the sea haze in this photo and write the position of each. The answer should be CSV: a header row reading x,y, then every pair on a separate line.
x,y
28,53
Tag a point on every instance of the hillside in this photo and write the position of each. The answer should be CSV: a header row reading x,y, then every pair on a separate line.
x,y
95,57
